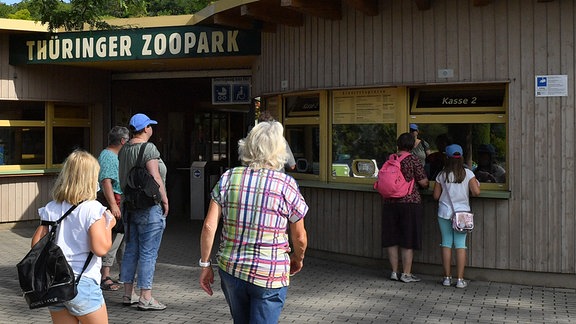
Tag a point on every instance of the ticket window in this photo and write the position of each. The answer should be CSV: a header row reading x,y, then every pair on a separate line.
x,y
304,117
472,116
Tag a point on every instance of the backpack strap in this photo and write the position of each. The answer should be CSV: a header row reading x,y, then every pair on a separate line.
x,y
54,225
402,156
141,153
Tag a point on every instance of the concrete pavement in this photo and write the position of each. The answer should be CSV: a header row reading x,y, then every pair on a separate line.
x,y
324,292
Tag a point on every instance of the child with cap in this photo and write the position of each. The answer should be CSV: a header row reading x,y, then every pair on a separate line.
x,y
452,190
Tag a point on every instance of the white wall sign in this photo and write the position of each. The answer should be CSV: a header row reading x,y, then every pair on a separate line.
x,y
551,86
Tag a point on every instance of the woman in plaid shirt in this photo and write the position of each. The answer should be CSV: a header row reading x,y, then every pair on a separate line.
x,y
258,203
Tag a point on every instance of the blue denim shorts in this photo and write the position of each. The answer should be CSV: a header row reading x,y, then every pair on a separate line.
x,y
88,300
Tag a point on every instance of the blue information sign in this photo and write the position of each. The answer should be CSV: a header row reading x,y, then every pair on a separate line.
x,y
234,90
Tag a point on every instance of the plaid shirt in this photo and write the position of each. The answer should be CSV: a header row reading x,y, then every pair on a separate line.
x,y
257,206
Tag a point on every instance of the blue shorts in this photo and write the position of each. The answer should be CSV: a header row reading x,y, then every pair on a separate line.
x,y
450,237
89,299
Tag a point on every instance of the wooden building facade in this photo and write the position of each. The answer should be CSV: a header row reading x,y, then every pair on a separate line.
x,y
350,45
323,61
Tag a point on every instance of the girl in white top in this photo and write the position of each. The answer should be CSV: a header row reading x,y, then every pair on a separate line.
x,y
87,228
458,182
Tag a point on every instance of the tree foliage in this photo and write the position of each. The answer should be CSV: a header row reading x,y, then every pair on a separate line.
x,y
82,14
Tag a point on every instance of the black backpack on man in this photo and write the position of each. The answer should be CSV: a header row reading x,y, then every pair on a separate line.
x,y
141,191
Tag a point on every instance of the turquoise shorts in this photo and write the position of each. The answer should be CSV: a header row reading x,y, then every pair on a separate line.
x,y
450,237
89,299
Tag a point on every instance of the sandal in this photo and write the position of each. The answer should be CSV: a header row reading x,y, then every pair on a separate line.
x,y
130,300
109,284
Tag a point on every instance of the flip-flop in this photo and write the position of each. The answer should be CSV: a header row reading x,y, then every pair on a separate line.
x,y
109,284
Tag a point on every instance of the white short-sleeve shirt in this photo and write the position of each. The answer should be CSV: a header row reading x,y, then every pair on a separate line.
x,y
459,194
72,233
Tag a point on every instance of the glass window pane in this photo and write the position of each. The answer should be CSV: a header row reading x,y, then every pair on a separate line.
x,y
484,147
71,112
304,141
358,150
304,105
21,145
67,139
21,110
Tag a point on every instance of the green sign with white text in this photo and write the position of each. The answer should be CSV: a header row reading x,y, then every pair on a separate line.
x,y
132,44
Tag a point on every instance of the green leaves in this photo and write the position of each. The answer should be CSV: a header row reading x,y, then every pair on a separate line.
x,y
90,14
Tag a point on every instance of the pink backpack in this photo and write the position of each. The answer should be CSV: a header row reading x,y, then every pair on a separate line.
x,y
391,182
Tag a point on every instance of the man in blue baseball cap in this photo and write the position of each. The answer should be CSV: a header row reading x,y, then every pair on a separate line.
x,y
144,224
140,121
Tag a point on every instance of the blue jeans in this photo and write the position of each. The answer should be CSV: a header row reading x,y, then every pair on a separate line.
x,y
250,303
145,228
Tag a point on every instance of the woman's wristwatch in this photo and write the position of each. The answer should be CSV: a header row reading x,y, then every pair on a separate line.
x,y
206,264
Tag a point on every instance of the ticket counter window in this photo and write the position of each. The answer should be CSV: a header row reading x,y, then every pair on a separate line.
x,y
484,146
304,116
364,131
473,116
361,149
304,141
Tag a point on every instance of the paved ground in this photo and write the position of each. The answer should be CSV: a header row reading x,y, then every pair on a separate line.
x,y
324,292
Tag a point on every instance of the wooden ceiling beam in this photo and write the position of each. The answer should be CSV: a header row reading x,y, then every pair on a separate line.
x,y
233,19
423,4
272,14
480,3
327,9
368,7
544,0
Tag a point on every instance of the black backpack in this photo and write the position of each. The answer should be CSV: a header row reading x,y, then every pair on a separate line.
x,y
141,190
45,276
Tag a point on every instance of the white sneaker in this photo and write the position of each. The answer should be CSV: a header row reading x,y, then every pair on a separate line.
x,y
409,278
447,282
394,276
461,283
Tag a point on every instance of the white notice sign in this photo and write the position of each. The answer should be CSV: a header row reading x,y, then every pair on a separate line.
x,y
551,85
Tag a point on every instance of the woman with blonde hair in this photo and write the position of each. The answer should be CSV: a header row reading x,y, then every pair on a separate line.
x,y
257,204
86,229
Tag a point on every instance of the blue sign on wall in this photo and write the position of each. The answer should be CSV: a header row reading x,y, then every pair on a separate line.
x,y
231,91
221,94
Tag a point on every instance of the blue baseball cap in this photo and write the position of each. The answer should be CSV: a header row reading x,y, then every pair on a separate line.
x,y
413,127
140,121
454,151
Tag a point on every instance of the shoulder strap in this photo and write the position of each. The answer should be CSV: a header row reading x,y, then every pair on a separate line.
x,y
399,158
403,156
52,223
447,192
90,255
141,153
53,229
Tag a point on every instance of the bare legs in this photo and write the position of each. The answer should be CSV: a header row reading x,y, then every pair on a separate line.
x,y
447,262
407,257
97,317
